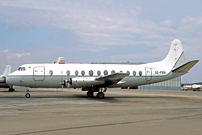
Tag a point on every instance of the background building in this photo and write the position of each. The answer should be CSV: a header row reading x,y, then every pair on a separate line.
x,y
174,84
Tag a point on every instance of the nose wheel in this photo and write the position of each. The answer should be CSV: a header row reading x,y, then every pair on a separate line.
x,y
27,95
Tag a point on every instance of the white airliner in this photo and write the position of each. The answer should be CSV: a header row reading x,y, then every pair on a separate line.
x,y
194,87
98,77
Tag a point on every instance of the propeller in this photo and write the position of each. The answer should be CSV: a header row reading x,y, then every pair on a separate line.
x,y
63,84
66,83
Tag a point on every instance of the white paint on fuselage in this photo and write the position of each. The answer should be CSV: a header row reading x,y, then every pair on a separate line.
x,y
26,78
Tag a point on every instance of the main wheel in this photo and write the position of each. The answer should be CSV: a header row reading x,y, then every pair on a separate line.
x,y
100,95
27,95
11,89
90,93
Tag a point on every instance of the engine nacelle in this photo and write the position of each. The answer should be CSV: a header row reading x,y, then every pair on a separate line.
x,y
79,82
3,82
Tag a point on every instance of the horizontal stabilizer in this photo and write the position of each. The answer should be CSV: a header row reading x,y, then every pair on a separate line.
x,y
116,77
186,67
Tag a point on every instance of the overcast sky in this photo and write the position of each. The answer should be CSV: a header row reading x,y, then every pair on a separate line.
x,y
85,31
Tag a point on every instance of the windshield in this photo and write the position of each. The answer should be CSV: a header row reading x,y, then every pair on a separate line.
x,y
21,69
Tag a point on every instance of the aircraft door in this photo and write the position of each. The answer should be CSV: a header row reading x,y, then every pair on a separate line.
x,y
39,73
148,74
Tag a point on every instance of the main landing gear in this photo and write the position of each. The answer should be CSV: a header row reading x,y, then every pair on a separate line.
x,y
11,89
90,93
100,94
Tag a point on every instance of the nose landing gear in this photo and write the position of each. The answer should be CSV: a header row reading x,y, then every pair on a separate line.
x,y
27,95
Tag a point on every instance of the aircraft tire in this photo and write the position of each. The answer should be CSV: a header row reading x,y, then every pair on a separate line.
x,y
11,89
90,94
27,95
100,95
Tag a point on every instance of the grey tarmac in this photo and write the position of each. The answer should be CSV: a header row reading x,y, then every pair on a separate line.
x,y
121,112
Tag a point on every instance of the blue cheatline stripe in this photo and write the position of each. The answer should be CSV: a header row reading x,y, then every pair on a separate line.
x,y
2,82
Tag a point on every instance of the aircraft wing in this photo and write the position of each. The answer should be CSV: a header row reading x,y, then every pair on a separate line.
x,y
112,78
186,67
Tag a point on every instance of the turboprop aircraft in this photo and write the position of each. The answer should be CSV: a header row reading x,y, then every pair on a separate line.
x,y
98,77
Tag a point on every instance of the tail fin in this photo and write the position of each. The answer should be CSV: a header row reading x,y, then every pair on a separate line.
x,y
60,60
175,57
7,70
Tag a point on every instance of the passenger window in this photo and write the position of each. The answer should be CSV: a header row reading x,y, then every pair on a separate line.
x,y
140,73
134,73
105,72
128,72
83,73
76,73
68,72
113,72
91,73
121,71
98,73
51,72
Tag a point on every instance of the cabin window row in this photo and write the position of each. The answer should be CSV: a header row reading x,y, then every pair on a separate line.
x,y
91,73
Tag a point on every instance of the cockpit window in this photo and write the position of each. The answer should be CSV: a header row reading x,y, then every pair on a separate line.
x,y
21,69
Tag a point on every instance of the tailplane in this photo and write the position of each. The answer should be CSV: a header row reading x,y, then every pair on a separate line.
x,y
186,67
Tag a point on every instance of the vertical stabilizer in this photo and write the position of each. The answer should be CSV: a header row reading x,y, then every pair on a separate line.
x,y
60,60
175,57
7,70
